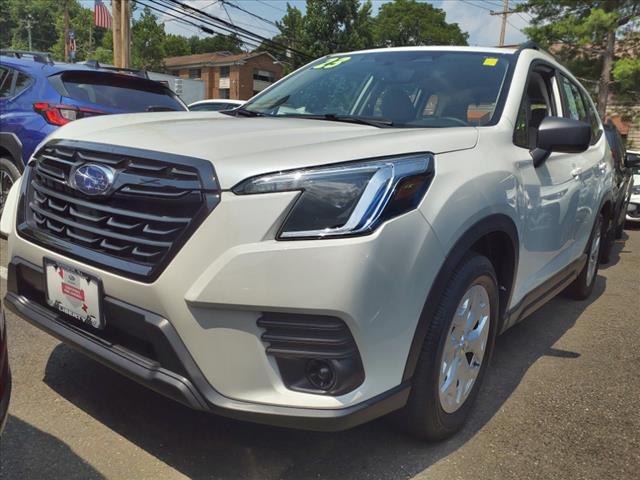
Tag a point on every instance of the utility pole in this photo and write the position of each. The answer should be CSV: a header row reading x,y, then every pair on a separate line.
x,y
504,13
126,33
117,32
66,30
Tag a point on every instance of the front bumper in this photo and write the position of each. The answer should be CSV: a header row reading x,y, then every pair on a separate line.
x,y
172,372
633,209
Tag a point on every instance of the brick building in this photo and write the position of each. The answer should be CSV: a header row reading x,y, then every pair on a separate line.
x,y
226,75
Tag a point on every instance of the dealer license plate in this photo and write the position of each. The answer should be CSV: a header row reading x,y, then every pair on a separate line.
x,y
74,293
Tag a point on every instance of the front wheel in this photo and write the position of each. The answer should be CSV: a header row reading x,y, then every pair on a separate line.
x,y
8,176
455,353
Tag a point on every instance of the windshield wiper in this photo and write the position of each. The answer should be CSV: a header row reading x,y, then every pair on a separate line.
x,y
242,112
332,117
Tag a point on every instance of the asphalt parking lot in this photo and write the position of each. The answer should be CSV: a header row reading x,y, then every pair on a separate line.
x,y
562,400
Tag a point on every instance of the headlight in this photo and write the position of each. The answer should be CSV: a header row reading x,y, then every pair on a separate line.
x,y
347,199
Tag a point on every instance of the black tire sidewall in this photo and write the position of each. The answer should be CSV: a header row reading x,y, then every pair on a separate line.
x,y
9,167
424,412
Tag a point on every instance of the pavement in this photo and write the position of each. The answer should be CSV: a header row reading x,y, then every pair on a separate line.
x,y
561,401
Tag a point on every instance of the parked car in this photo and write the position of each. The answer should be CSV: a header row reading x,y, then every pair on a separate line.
x,y
346,244
622,185
5,374
38,95
633,209
215,105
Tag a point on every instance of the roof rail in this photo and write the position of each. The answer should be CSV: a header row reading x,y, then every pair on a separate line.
x,y
130,71
529,45
42,57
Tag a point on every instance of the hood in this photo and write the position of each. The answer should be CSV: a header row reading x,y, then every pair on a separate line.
x,y
242,147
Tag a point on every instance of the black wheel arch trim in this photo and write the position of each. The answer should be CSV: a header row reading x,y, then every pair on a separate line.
x,y
494,223
11,143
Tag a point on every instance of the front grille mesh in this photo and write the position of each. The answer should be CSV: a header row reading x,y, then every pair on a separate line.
x,y
154,206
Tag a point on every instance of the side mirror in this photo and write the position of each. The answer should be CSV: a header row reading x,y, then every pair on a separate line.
x,y
632,160
558,134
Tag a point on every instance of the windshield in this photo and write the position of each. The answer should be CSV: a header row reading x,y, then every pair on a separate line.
x,y
405,88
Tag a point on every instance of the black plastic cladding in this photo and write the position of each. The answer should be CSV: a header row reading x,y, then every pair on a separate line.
x,y
51,213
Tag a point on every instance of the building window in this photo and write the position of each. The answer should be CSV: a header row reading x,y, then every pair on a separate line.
x,y
224,72
195,73
264,76
175,73
223,93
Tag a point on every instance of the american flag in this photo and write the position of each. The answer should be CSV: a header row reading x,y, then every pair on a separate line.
x,y
101,16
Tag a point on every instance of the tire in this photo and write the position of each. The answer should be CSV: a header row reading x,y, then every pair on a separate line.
x,y
9,173
582,286
425,414
608,240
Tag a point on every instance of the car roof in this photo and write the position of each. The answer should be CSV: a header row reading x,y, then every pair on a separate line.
x,y
37,67
442,48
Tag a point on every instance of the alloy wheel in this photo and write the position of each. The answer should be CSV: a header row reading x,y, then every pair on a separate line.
x,y
464,348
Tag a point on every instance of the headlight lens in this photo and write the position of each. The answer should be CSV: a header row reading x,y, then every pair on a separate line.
x,y
346,199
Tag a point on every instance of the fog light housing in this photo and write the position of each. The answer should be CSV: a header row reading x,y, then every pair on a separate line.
x,y
320,374
314,353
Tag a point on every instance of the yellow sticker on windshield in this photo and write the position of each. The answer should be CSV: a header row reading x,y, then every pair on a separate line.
x,y
332,62
490,62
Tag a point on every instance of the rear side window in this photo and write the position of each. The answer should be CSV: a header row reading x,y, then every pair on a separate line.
x,y
121,92
22,82
574,103
6,75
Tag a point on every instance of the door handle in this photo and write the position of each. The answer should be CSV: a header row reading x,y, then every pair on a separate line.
x,y
576,172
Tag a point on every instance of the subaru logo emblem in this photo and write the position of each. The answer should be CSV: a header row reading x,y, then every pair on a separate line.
x,y
92,179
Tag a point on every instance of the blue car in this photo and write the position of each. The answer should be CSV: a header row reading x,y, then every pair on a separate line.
x,y
38,95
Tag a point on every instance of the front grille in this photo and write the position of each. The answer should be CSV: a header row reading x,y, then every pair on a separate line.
x,y
156,202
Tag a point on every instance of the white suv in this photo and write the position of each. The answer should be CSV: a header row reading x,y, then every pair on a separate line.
x,y
348,243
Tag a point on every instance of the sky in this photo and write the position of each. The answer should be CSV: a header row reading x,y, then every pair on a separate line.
x,y
473,16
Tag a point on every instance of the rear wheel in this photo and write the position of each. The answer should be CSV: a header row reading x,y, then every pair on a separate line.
x,y
455,352
8,176
582,286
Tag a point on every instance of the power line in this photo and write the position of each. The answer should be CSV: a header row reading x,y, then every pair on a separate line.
x,y
240,30
233,5
272,6
247,37
199,27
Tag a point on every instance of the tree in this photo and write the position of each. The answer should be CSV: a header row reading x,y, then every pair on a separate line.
x,y
176,45
331,26
147,42
291,32
589,37
41,14
408,22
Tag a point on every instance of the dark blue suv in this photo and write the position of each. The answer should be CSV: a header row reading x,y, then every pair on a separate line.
x,y
38,95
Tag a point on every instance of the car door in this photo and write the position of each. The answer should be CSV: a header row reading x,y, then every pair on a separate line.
x,y
594,168
552,190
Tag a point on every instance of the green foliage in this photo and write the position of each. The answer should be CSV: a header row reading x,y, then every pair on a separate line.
x,y
147,42
408,22
577,32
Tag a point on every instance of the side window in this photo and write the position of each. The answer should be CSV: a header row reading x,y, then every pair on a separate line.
x,y
22,82
537,103
596,130
6,76
574,106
